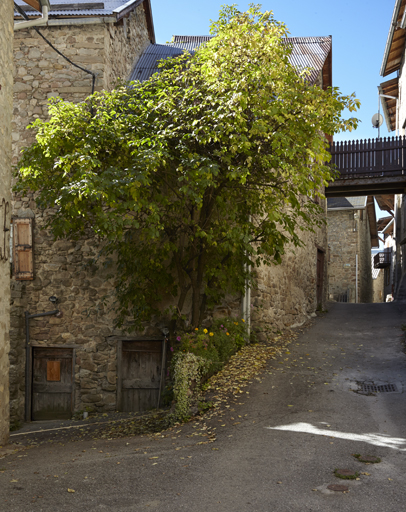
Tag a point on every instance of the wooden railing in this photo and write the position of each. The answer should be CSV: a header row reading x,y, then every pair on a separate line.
x,y
369,158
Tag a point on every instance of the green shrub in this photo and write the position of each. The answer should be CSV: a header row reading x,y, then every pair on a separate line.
x,y
188,369
199,354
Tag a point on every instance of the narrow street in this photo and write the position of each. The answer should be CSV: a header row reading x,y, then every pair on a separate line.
x,y
276,448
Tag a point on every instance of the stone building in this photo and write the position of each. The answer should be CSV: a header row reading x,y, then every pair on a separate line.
x,y
352,231
289,293
377,280
104,38
6,108
76,360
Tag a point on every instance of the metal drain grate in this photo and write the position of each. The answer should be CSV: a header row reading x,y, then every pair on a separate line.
x,y
384,388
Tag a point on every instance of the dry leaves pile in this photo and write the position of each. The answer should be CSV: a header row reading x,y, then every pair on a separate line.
x,y
226,388
249,362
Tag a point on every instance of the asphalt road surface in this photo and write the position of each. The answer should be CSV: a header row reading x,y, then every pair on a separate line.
x,y
276,448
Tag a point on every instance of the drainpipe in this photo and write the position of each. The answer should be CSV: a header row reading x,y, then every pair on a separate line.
x,y
356,278
45,8
246,300
246,303
28,358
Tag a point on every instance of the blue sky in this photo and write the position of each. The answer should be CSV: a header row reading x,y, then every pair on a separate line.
x,y
359,29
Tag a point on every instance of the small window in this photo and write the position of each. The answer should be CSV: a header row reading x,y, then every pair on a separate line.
x,y
23,265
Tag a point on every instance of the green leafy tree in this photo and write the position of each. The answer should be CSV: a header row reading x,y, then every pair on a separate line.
x,y
195,174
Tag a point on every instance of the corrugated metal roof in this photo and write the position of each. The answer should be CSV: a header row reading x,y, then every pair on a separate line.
x,y
109,7
338,203
307,52
189,43
147,64
191,39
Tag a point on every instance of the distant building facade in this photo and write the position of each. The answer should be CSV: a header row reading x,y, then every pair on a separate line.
x,y
352,231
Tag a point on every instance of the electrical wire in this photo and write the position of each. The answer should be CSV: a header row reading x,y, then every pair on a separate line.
x,y
24,15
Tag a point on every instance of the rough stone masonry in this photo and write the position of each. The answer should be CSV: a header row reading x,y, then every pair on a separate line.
x,y
109,50
6,109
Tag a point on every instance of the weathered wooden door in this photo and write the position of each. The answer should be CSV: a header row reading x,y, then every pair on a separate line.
x,y
52,383
320,276
139,375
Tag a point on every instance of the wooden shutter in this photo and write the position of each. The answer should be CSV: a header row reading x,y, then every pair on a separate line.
x,y
23,254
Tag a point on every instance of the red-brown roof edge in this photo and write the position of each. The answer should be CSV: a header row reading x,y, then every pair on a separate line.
x,y
34,3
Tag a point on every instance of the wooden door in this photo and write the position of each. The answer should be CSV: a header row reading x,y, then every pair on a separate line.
x,y
52,383
320,276
139,375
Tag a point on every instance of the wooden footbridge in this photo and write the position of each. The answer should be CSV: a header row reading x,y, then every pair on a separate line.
x,y
368,167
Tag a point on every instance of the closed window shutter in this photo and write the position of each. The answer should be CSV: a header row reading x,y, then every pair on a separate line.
x,y
23,254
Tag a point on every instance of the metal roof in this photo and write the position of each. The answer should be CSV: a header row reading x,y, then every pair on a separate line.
x,y
79,7
307,52
147,64
344,203
189,43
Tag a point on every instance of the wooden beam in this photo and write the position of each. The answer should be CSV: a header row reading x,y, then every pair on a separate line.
x,y
35,4
366,186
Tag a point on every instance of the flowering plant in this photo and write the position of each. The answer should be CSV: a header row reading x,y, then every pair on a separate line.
x,y
200,353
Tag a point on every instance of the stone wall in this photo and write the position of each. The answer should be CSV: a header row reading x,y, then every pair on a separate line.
x,y
378,286
59,267
40,73
121,43
6,107
349,235
286,293
365,267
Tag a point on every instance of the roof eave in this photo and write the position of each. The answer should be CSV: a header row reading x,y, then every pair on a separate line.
x,y
390,122
340,208
389,39
327,71
373,228
35,4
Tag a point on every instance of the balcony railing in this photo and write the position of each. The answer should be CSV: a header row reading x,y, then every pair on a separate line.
x,y
369,158
382,259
